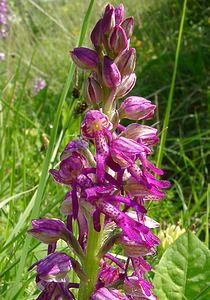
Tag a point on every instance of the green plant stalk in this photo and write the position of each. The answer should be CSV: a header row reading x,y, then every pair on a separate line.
x,y
170,97
44,174
91,261
12,180
207,216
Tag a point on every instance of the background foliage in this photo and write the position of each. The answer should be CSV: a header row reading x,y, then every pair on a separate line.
x,y
41,33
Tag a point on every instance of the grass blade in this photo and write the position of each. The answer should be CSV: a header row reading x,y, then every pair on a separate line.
x,y
170,97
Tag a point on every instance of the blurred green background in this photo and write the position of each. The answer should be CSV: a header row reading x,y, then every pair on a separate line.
x,y
41,33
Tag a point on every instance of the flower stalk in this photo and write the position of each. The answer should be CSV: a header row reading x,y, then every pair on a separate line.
x,y
91,261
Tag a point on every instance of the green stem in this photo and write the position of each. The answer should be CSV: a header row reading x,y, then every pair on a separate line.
x,y
91,261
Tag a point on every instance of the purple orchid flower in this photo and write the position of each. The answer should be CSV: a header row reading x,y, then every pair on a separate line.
x,y
108,176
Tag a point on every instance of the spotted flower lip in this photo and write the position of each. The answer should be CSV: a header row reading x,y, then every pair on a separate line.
x,y
47,230
54,267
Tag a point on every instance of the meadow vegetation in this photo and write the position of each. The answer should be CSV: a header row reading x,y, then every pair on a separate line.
x,y
35,128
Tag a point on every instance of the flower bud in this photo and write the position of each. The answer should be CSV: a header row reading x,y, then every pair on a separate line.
x,y
110,73
108,21
117,40
138,132
54,267
126,61
119,13
70,168
126,85
135,248
136,108
96,34
47,230
78,146
94,91
85,58
128,26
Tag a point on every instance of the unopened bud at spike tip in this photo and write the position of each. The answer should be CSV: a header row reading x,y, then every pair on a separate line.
x,y
96,34
117,40
108,21
119,13
128,26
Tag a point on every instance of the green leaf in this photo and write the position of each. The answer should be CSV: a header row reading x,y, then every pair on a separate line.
x,y
184,270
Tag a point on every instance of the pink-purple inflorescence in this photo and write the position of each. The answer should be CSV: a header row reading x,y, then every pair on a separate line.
x,y
39,84
109,182
3,18
3,23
